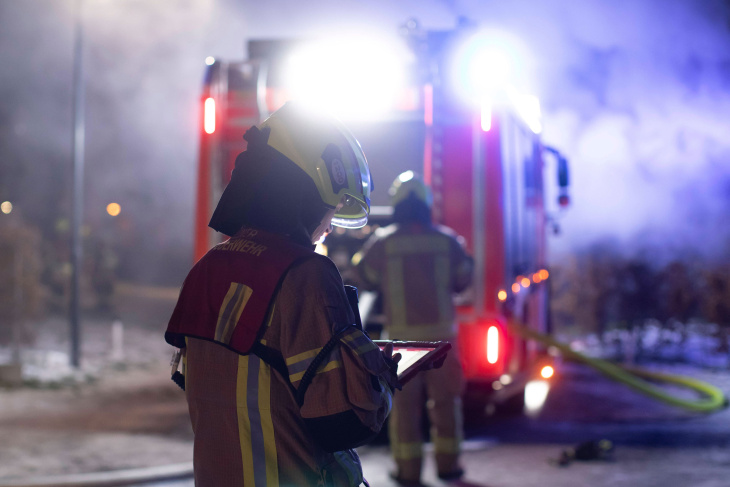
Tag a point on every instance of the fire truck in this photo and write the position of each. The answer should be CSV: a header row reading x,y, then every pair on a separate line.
x,y
437,103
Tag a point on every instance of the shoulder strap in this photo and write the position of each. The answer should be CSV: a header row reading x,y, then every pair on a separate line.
x,y
269,355
351,292
318,359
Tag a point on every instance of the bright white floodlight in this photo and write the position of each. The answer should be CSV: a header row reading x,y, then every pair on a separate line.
x,y
489,61
352,78
488,68
536,392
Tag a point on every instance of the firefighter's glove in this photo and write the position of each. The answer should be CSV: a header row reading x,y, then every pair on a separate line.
x,y
392,373
437,364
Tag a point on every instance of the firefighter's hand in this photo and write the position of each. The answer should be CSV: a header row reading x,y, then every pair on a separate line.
x,y
392,361
438,363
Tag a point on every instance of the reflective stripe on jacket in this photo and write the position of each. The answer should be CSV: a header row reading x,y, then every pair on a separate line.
x,y
418,268
248,427
228,293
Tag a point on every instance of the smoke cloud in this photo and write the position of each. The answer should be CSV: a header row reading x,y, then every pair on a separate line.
x,y
635,93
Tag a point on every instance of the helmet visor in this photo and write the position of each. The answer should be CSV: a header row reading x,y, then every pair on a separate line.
x,y
352,214
356,204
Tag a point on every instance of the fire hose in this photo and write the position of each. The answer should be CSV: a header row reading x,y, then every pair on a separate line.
x,y
638,379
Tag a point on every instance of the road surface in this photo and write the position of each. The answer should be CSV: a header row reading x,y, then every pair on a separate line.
x,y
655,445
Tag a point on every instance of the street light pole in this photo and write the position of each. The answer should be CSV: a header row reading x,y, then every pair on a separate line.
x,y
79,133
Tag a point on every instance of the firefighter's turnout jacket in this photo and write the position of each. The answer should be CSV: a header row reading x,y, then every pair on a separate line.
x,y
250,429
418,268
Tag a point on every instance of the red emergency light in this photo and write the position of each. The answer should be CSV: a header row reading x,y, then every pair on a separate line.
x,y
209,115
492,345
483,348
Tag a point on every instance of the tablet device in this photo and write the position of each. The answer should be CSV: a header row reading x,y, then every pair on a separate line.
x,y
415,356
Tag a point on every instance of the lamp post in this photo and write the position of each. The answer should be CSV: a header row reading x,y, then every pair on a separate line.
x,y
79,132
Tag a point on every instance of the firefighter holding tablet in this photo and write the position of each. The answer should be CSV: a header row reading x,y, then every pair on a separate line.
x,y
418,267
280,384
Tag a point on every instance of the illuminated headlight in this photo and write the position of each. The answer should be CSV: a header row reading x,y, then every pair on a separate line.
x,y
536,392
547,372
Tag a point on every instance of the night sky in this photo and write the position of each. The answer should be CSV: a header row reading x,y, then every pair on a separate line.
x,y
635,92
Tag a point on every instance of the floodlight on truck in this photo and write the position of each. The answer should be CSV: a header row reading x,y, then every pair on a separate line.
x,y
354,78
486,68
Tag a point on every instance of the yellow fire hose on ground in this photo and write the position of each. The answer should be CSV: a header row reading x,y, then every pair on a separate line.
x,y
714,399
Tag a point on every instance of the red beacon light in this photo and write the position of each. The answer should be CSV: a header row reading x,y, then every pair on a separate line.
x,y
492,344
209,115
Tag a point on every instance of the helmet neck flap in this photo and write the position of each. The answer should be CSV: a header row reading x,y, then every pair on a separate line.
x,y
269,192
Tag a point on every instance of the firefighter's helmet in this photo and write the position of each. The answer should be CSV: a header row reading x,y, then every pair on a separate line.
x,y
328,152
410,183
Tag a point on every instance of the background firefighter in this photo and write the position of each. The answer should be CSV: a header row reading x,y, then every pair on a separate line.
x,y
244,372
418,267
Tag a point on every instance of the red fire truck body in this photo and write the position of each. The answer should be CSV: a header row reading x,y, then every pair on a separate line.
x,y
485,166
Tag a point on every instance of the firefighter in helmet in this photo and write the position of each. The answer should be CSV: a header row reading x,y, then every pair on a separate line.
x,y
280,383
418,266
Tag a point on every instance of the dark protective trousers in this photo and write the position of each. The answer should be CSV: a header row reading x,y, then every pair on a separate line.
x,y
439,392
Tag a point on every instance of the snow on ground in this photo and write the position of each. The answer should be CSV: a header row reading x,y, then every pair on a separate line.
x,y
120,410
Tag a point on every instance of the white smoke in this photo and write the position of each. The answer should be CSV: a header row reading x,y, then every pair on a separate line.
x,y
635,92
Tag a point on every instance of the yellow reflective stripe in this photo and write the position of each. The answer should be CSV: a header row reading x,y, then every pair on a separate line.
x,y
230,311
401,450
451,444
421,331
363,349
396,290
297,376
324,368
267,426
442,276
221,323
244,424
330,366
355,337
303,356
416,244
407,451
446,445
